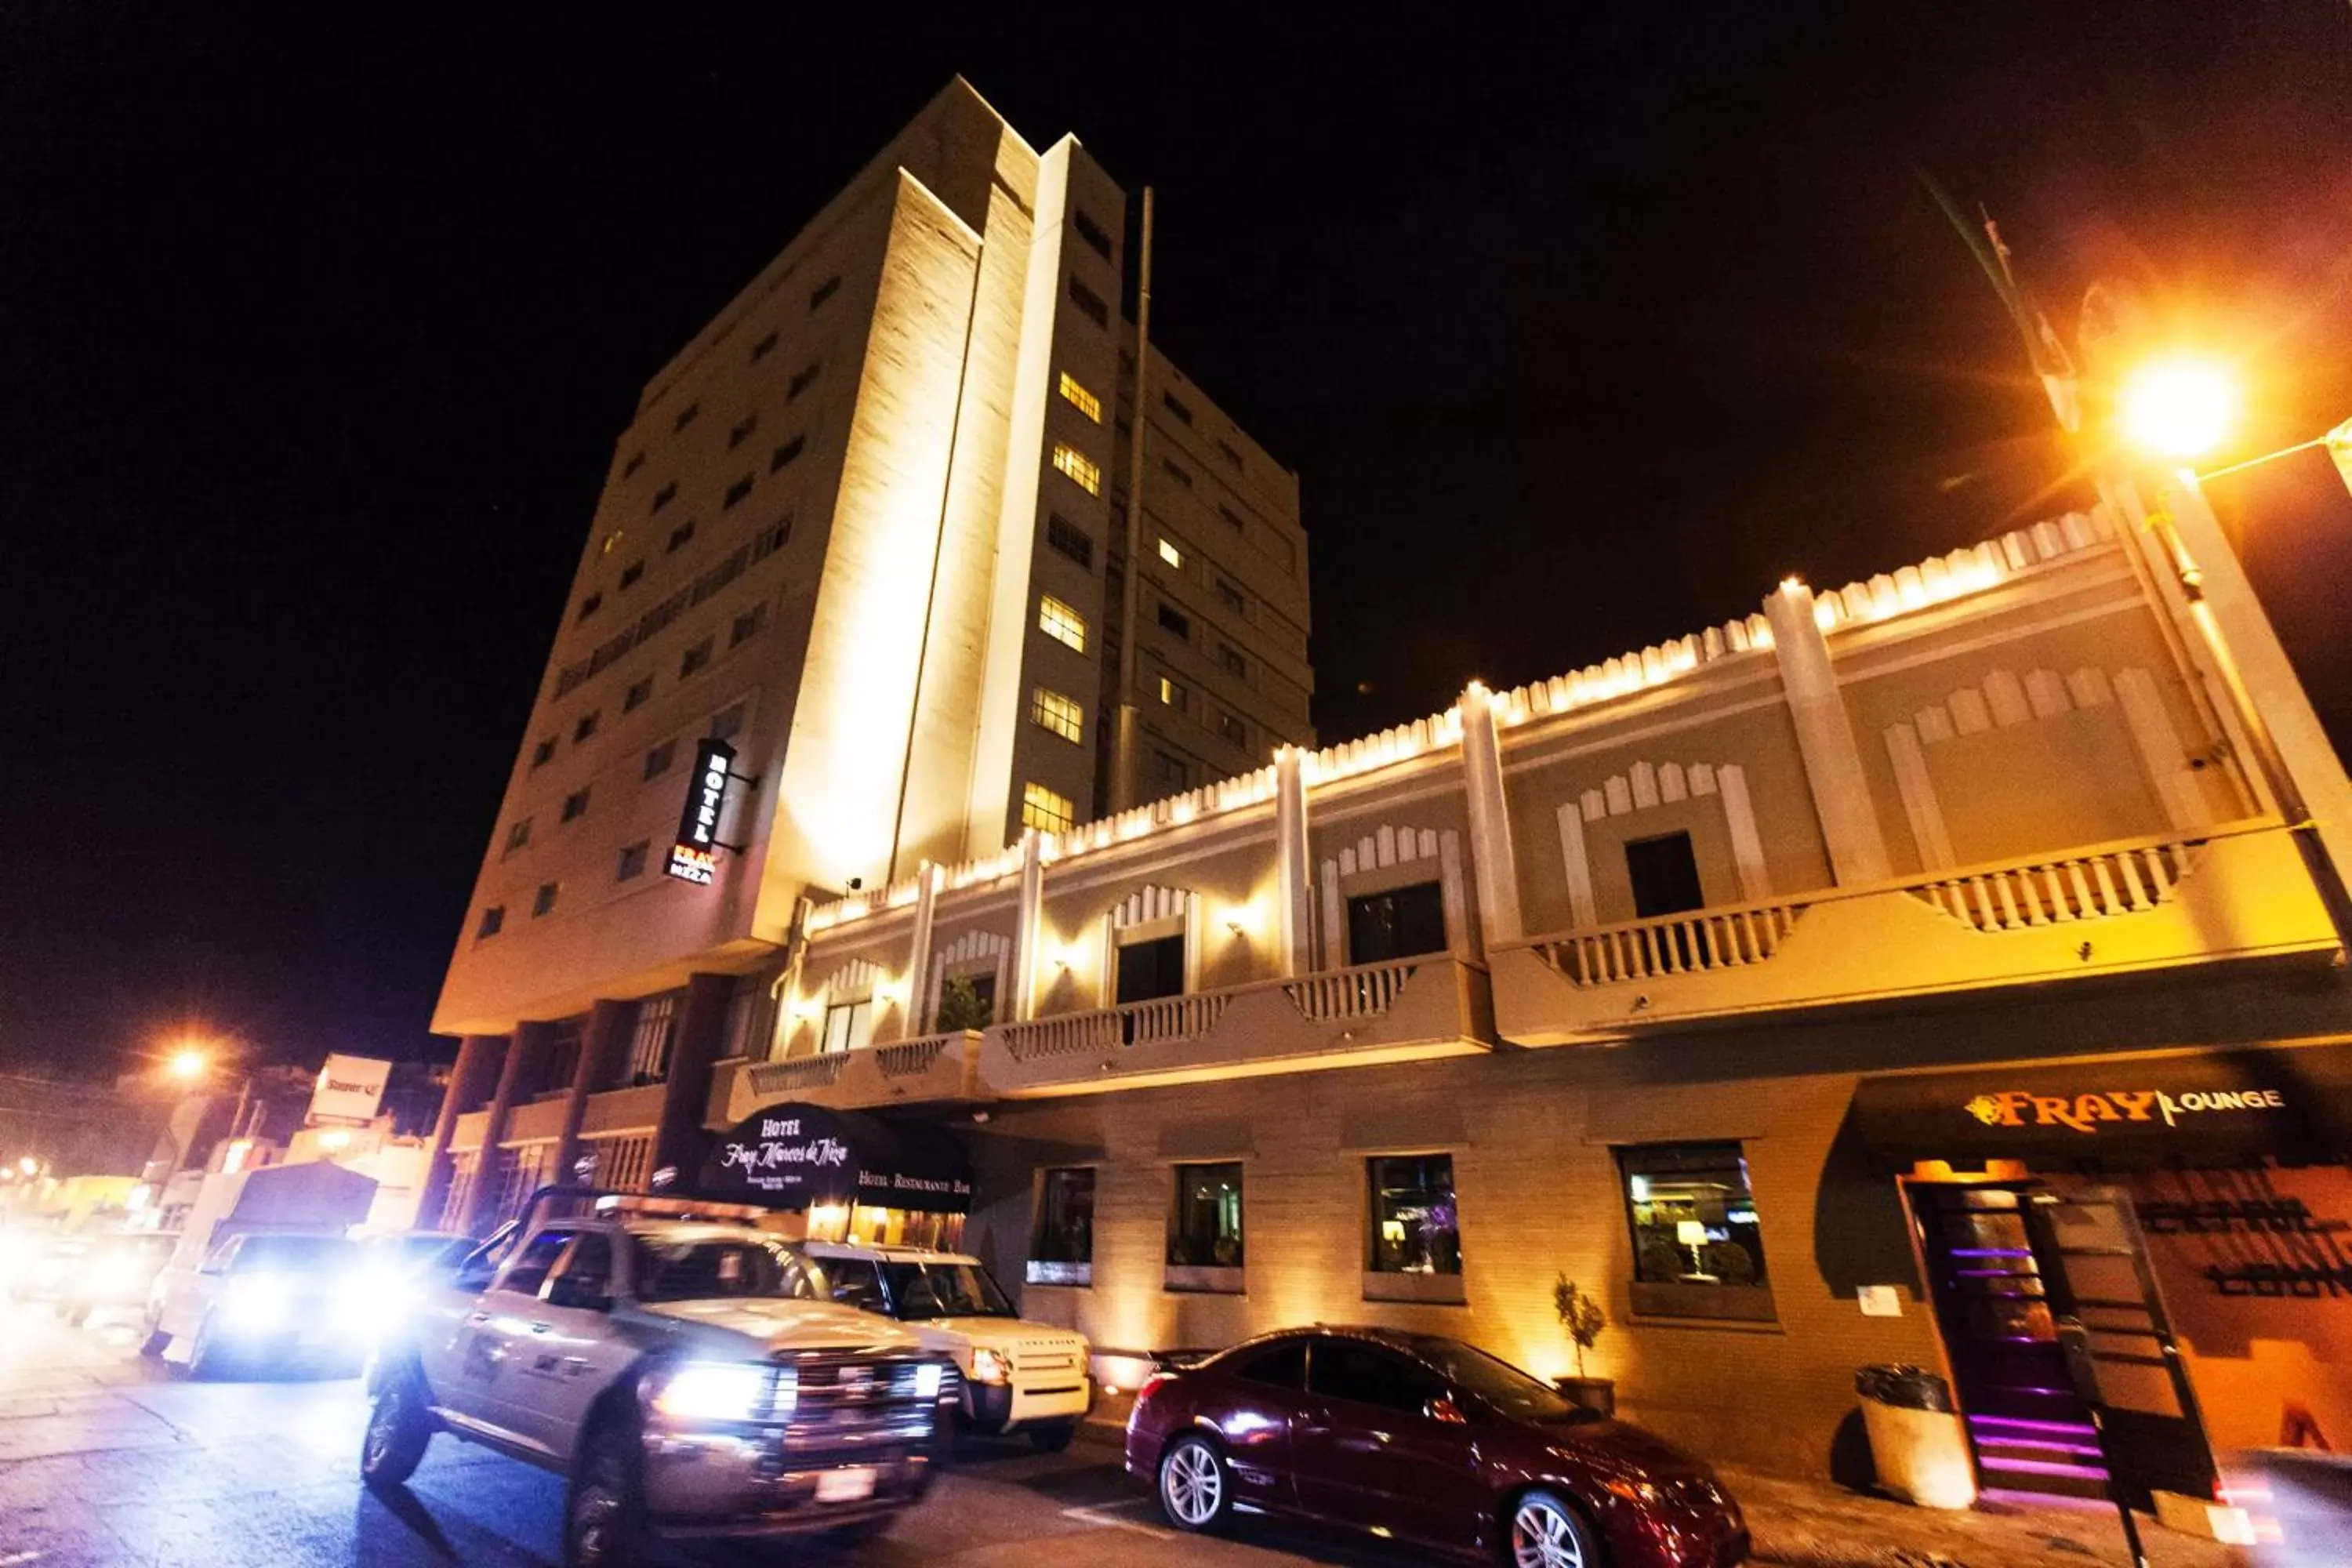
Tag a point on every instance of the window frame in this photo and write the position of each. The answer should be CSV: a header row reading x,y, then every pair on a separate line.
x,y
1057,713
1213,1278
1397,1283
1062,621
1684,1297
1071,1270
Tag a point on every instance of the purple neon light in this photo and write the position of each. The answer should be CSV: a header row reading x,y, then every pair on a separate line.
x,y
2042,1468
2050,1444
1989,1252
2081,1428
2016,1498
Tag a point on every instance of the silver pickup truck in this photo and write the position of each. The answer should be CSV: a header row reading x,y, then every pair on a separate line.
x,y
687,1371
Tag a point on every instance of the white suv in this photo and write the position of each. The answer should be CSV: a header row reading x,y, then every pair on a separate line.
x,y
1018,1376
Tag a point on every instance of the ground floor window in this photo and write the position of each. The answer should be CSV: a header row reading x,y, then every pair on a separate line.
x,y
1416,1229
1062,1243
1204,1229
1699,1248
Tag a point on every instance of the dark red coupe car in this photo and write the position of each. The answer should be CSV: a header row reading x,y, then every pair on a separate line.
x,y
1423,1439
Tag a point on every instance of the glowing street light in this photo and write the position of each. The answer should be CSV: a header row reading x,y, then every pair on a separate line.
x,y
30,1165
2178,409
189,1063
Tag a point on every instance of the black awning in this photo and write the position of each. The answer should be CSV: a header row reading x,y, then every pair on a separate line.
x,y
2292,1105
791,1156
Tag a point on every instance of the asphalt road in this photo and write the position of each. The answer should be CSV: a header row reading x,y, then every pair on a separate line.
x,y
106,1458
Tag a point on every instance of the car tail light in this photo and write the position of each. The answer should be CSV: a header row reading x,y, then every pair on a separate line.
x,y
1151,1385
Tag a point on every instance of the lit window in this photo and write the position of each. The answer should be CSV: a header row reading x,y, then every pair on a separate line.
x,y
632,861
1696,1234
1206,1231
1042,808
1060,622
543,900
1079,398
849,1027
1077,468
1416,1227
1062,715
494,919
1171,554
1174,695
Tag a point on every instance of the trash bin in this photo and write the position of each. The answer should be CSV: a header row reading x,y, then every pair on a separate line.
x,y
1917,1441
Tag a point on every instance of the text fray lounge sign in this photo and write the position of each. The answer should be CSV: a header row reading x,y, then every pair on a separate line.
x,y
694,858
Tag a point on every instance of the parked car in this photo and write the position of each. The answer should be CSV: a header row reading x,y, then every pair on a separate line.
x,y
47,1268
1427,1440
267,1301
1018,1376
116,1273
688,1372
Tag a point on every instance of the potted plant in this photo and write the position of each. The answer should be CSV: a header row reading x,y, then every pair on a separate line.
x,y
1580,1315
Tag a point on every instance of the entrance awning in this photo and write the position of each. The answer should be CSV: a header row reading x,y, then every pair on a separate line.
x,y
2293,1105
792,1156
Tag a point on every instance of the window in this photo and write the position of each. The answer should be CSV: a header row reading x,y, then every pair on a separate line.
x,y
764,348
1415,1227
1231,658
1233,518
772,539
1043,809
783,455
823,292
1232,730
1079,398
631,573
1169,773
735,493
1050,709
678,537
664,495
1403,922
586,727
638,695
1172,619
747,626
1698,1249
1176,472
856,1283
1233,598
1091,232
801,381
1168,400
649,1041
528,1272
1175,694
1169,554
1062,1242
1365,1374
543,900
697,659
1231,455
657,761
591,605
1070,540
575,806
636,460
632,861
1206,1230
1278,1366
966,1001
518,835
544,753
847,1026
685,416
1060,622
1077,468
585,1274
1664,874
1149,971
741,430
728,723
493,921
1089,301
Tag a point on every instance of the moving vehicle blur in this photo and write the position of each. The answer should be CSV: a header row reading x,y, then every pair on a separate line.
x,y
47,1267
116,1273
268,1302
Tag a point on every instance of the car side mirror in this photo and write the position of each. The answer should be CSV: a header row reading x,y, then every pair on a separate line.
x,y
583,1295
1442,1408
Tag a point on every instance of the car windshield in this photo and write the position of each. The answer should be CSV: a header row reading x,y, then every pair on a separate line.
x,y
1497,1384
290,1253
921,1290
704,1268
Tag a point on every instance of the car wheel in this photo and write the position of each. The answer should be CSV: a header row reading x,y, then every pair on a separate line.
x,y
152,1327
76,1316
1053,1439
1547,1533
204,1352
397,1432
1195,1490
605,1514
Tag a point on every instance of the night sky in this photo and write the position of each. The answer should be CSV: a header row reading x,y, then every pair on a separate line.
x,y
318,334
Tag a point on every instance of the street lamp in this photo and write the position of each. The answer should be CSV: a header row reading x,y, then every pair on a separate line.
x,y
2179,407
189,1064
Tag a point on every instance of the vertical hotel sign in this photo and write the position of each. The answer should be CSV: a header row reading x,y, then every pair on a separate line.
x,y
693,858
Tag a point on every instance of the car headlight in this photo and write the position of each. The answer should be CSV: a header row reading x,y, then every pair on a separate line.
x,y
928,1378
256,1302
716,1391
990,1366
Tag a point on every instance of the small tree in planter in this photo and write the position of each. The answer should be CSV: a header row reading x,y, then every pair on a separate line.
x,y
1581,1316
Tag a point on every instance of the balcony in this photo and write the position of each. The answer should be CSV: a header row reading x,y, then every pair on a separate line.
x,y
1362,1017
2228,893
908,1072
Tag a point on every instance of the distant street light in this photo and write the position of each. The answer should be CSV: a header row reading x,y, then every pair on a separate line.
x,y
189,1063
29,1166
2178,409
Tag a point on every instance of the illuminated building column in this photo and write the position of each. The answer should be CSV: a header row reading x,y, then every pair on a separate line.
x,y
919,955
701,1029
1490,820
603,1047
1029,921
526,1053
1294,928
1840,790
472,1080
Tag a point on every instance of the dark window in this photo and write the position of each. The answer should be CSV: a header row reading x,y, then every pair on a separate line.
x,y
1416,1229
741,431
1232,456
591,605
1175,620
1151,969
585,1274
664,495
1693,1215
823,292
1090,302
736,492
586,727
542,901
494,919
1664,874
801,381
772,540
636,460
697,658
1170,772
560,1064
1231,658
728,723
518,835
657,760
1168,401
1065,1232
856,1283
786,453
1071,539
764,348
1232,729
966,1001
1232,598
544,753
631,573
1206,1230
1368,1374
1233,518
747,626
1403,922
680,535
1278,1366
638,695
632,861
575,806
685,416
1176,473
529,1270
1091,232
